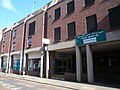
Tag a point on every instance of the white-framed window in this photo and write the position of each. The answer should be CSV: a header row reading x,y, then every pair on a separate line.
x,y
14,46
14,33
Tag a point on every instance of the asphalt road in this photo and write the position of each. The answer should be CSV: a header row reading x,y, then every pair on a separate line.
x,y
8,83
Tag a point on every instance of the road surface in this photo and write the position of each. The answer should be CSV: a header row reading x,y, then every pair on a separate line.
x,y
8,83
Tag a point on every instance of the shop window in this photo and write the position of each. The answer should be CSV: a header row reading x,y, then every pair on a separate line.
x,y
14,33
16,65
57,34
89,2
71,30
64,64
57,13
91,22
34,65
31,28
70,7
114,17
4,64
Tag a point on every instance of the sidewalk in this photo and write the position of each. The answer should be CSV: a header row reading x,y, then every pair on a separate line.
x,y
65,84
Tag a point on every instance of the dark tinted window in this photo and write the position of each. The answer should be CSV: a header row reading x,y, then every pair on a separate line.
x,y
70,7
57,34
114,17
89,2
71,30
57,13
31,29
91,23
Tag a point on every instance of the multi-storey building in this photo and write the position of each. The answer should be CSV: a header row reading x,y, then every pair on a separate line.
x,y
84,41
5,49
88,61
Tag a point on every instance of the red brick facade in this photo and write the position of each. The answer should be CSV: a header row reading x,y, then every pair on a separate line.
x,y
18,38
37,37
5,42
100,8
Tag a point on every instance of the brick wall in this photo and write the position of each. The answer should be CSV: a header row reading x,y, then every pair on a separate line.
x,y
37,37
100,8
18,38
5,43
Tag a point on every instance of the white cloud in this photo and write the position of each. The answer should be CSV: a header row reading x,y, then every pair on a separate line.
x,y
8,5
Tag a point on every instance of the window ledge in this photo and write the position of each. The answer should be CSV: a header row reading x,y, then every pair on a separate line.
x,y
56,41
70,38
89,4
69,13
56,18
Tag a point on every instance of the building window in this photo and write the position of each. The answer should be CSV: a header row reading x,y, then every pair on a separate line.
x,y
4,38
14,33
4,63
29,42
16,64
114,17
71,30
3,49
70,7
31,29
13,46
89,2
57,13
57,34
91,22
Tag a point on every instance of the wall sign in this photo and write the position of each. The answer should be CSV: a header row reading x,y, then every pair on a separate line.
x,y
92,37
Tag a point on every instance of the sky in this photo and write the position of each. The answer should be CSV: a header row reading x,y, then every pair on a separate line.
x,y
12,11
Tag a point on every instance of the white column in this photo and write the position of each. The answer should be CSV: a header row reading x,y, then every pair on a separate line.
x,y
41,68
78,64
9,65
47,63
89,64
24,64
21,57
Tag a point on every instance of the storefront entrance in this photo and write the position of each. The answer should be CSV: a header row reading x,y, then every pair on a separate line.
x,y
65,66
4,63
34,67
107,62
33,63
15,64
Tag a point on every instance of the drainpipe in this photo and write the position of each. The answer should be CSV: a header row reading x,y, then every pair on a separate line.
x,y
23,55
43,34
10,41
22,68
9,49
41,69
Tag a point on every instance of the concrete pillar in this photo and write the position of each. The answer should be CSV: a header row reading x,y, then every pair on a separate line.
x,y
21,57
9,69
90,73
24,64
47,63
7,64
78,64
41,69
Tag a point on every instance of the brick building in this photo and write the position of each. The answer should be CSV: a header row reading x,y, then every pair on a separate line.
x,y
65,23
70,18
